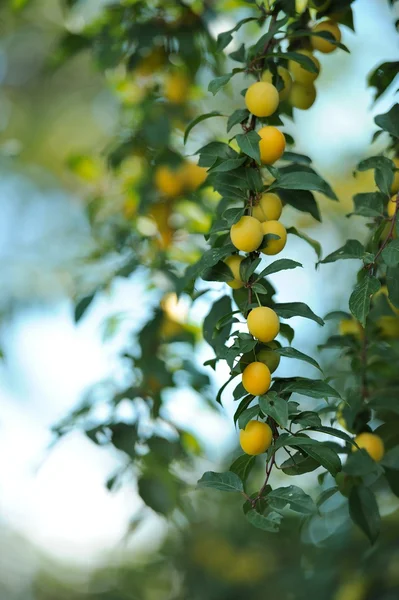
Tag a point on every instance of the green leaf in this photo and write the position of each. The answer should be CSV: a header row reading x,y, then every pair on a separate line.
x,y
301,200
158,494
297,158
124,437
382,77
307,418
351,249
214,150
359,301
245,402
391,459
238,116
216,84
210,258
369,205
219,272
306,62
302,180
225,38
82,306
389,121
332,431
220,308
270,523
249,144
228,165
292,353
384,171
275,407
324,455
282,264
197,120
287,332
247,415
313,388
360,464
247,267
242,466
294,496
239,55
363,509
287,310
393,285
314,243
390,254
326,35
225,482
299,464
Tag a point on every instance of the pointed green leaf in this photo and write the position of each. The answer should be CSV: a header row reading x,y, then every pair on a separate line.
x,y
363,509
359,302
294,496
249,144
225,482
275,407
293,353
197,120
287,310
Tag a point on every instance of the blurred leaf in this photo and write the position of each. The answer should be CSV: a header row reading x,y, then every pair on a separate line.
x,y
393,285
382,77
369,204
270,523
198,119
82,306
363,509
315,244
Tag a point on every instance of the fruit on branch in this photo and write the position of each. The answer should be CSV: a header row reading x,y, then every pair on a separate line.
x,y
269,208
176,88
246,234
302,96
256,378
391,208
372,443
345,483
350,327
287,81
193,175
168,182
263,323
261,99
395,183
274,246
256,438
324,45
299,73
271,145
233,262
267,356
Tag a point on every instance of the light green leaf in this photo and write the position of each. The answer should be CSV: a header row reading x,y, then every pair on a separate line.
x,y
225,482
294,496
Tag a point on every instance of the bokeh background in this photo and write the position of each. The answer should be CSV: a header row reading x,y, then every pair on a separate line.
x,y
63,534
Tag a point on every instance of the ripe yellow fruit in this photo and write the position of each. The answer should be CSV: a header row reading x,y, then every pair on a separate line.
x,y
388,326
274,246
233,262
321,44
269,208
372,443
302,96
340,416
269,357
391,208
168,182
263,323
299,73
262,99
176,88
395,183
287,81
256,378
256,438
193,175
272,144
246,234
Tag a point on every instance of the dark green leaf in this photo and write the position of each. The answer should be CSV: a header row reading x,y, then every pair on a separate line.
x,y
240,115
197,120
369,204
228,165
225,482
314,243
313,388
393,285
249,144
294,496
299,464
247,415
292,353
390,254
216,84
225,38
214,150
287,310
351,249
275,407
282,264
302,180
82,306
324,455
382,77
270,523
389,121
301,200
359,302
363,509
307,418
242,466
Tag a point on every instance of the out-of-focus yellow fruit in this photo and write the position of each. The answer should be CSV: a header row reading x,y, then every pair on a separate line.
x,y
388,326
176,88
256,378
272,144
395,183
383,291
340,416
351,590
261,99
274,246
152,62
263,323
193,175
130,206
269,357
246,234
321,44
350,327
256,438
302,96
372,443
269,208
233,262
391,208
267,76
161,213
299,73
168,182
